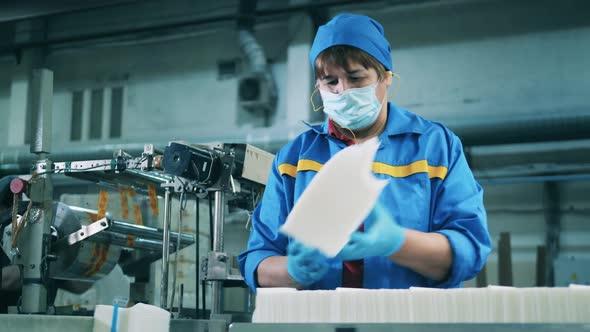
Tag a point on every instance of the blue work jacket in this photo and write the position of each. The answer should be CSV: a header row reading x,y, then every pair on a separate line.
x,y
431,189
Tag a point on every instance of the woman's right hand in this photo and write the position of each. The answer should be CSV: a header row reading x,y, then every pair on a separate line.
x,y
305,265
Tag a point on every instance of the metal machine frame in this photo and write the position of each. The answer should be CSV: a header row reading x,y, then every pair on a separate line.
x,y
222,168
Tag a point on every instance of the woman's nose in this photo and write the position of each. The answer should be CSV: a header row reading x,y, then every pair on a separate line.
x,y
341,86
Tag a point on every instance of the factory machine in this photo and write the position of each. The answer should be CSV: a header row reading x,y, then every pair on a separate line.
x,y
60,246
71,250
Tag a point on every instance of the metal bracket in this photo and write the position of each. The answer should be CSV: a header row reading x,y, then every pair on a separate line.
x,y
83,233
147,157
227,161
217,266
180,184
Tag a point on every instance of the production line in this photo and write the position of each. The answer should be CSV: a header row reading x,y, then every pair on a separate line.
x,y
60,246
82,248
70,254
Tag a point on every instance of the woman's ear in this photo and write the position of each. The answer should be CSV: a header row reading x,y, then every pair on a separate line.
x,y
388,78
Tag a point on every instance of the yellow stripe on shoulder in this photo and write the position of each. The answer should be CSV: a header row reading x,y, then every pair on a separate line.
x,y
308,165
420,166
288,169
302,165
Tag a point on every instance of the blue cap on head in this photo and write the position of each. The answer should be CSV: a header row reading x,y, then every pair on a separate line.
x,y
353,30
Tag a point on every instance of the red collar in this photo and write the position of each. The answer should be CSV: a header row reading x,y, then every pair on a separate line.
x,y
335,133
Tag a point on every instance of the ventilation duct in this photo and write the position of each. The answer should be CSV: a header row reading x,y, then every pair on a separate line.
x,y
525,128
256,87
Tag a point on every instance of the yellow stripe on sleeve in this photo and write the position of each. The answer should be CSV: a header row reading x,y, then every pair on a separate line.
x,y
288,169
437,172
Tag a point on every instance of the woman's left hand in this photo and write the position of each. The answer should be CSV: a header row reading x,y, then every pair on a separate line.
x,y
382,237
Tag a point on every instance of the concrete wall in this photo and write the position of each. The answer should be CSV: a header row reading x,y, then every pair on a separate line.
x,y
489,58
532,73
470,61
172,87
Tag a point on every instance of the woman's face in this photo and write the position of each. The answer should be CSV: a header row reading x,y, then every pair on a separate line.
x,y
338,79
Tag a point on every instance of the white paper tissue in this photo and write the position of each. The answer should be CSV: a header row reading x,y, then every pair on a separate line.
x,y
337,200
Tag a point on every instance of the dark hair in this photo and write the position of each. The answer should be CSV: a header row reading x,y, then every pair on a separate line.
x,y
340,55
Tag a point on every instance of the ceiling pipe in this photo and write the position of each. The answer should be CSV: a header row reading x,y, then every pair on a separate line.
x,y
56,8
524,128
479,132
14,49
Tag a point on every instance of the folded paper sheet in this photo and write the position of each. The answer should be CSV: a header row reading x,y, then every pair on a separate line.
x,y
139,318
337,200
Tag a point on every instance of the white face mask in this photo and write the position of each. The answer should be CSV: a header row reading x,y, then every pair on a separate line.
x,y
355,108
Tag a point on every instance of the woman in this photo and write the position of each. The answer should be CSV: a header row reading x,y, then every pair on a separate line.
x,y
429,227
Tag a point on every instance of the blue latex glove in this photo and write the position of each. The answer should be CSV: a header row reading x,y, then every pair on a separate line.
x,y
382,237
306,265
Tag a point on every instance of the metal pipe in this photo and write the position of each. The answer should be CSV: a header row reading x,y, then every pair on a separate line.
x,y
218,220
498,157
141,231
532,127
528,179
165,248
197,256
149,232
156,177
122,241
40,109
60,9
34,241
13,49
555,128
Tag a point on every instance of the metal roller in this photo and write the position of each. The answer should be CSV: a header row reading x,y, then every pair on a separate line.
x,y
86,250
81,261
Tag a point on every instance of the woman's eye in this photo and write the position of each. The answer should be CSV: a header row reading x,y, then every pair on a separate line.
x,y
332,82
356,79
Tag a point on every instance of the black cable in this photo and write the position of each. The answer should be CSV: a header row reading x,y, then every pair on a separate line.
x,y
204,298
198,267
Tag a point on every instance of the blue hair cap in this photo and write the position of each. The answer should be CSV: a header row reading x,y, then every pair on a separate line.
x,y
359,31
